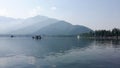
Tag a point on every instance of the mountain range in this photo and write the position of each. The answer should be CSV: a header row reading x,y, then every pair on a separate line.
x,y
39,25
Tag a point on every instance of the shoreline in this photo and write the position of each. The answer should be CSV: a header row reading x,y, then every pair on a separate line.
x,y
102,38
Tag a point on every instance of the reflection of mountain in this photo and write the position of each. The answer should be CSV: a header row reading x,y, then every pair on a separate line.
x,y
40,25
25,50
65,44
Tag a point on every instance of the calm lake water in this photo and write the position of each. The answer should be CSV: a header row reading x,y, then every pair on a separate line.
x,y
59,52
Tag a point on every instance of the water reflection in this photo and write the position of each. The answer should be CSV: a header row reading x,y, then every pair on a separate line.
x,y
59,53
107,43
64,44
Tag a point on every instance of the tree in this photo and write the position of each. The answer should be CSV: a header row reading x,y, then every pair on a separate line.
x,y
116,32
103,33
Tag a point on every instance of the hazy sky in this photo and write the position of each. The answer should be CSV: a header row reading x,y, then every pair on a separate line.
x,y
96,14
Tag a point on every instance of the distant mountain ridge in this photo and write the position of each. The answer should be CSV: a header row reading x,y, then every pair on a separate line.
x,y
33,24
63,28
6,19
40,25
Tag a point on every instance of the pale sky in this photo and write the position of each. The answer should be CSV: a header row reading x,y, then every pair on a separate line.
x,y
95,14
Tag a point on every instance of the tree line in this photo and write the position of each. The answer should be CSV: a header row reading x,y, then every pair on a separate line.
x,y
114,33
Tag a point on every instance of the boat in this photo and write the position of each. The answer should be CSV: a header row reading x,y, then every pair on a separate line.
x,y
37,37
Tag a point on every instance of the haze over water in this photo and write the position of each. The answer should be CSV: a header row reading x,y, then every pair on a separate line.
x,y
24,22
59,52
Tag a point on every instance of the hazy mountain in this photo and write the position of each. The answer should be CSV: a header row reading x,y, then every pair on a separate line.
x,y
33,24
77,29
7,24
63,28
39,25
27,22
6,19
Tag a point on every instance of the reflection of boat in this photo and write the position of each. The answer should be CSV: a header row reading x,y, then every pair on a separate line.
x,y
36,37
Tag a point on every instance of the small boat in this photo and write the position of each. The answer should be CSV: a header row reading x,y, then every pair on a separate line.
x,y
12,36
37,37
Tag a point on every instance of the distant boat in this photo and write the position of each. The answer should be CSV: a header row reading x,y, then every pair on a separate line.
x,y
36,37
12,36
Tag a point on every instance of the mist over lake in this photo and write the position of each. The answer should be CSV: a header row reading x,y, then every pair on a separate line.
x,y
59,33
59,52
43,42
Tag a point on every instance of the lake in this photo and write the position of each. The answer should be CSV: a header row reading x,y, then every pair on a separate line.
x,y
59,52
